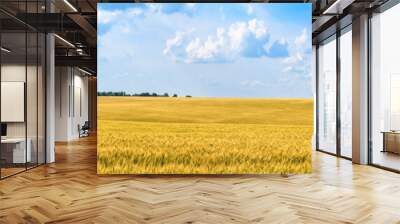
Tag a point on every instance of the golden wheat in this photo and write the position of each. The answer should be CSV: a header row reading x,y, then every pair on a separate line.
x,y
203,135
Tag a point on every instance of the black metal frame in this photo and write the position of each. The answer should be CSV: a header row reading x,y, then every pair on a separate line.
x,y
369,90
338,76
44,80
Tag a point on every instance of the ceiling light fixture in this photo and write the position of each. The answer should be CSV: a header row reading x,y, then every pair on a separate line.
x,y
5,50
84,71
337,7
331,7
79,51
70,5
64,40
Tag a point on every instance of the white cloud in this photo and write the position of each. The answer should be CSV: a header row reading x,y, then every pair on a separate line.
x,y
301,40
190,5
109,16
210,50
175,45
240,39
238,32
257,27
295,58
250,9
154,7
297,62
252,83
105,16
287,69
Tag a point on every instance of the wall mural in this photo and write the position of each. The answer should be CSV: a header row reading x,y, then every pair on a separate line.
x,y
221,88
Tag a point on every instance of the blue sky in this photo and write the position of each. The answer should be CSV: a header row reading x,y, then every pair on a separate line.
x,y
206,50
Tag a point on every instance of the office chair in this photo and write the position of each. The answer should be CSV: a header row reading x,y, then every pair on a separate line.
x,y
84,130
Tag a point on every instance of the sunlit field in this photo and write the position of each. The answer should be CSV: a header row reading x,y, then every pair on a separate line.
x,y
157,135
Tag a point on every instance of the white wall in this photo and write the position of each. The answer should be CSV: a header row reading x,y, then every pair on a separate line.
x,y
12,73
80,110
62,82
71,102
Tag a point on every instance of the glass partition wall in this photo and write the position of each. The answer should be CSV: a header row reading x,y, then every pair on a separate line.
x,y
345,61
22,107
327,95
334,95
334,105
385,89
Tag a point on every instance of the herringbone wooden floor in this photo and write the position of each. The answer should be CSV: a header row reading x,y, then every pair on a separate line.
x,y
69,191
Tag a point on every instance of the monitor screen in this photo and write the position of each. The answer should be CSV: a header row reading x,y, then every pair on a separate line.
x,y
3,129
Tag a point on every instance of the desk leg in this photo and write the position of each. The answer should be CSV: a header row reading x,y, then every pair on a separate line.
x,y
384,142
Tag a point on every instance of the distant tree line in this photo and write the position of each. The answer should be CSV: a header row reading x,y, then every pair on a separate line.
x,y
145,94
109,93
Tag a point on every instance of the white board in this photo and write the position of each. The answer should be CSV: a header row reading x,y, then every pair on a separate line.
x,y
12,101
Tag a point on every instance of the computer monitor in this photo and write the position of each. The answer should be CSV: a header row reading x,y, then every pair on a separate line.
x,y
3,129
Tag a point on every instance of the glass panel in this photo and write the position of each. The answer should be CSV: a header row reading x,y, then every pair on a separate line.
x,y
346,94
31,98
32,88
327,96
23,90
41,99
386,89
13,88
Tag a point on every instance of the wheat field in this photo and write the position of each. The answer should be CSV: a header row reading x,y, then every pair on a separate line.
x,y
157,135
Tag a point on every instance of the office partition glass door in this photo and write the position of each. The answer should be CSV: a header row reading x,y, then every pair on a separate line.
x,y
22,101
385,89
327,95
345,92
14,153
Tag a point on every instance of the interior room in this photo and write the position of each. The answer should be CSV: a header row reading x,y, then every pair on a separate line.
x,y
48,150
29,103
71,103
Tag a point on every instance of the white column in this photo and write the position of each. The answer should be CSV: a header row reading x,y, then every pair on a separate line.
x,y
50,99
360,90
50,92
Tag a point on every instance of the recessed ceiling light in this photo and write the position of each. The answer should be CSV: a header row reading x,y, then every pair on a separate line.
x,y
70,5
337,7
64,40
84,71
5,50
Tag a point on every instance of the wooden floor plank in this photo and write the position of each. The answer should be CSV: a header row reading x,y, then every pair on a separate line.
x,y
70,191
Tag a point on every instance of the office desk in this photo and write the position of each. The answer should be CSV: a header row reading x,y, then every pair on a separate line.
x,y
15,148
391,141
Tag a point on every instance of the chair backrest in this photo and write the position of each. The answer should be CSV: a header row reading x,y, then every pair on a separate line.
x,y
86,125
